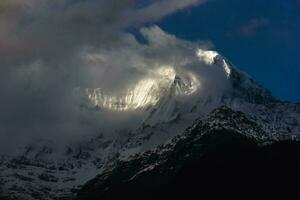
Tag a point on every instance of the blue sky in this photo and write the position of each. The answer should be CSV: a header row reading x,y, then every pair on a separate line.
x,y
261,37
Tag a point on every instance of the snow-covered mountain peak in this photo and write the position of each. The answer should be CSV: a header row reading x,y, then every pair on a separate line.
x,y
207,56
209,77
214,58
198,72
171,98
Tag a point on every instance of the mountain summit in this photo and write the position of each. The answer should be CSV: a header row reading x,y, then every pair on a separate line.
x,y
172,104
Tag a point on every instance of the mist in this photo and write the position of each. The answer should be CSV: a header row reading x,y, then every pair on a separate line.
x,y
50,50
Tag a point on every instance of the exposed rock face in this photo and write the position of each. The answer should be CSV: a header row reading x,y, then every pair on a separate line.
x,y
224,152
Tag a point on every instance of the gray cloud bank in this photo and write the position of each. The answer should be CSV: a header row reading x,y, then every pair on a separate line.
x,y
50,47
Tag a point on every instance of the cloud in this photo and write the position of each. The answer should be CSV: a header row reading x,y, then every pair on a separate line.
x,y
132,60
57,27
50,47
160,9
253,26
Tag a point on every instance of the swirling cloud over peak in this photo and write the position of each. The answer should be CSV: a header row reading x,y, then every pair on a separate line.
x,y
50,47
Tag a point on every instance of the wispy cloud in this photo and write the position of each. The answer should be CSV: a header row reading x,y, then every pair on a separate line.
x,y
253,25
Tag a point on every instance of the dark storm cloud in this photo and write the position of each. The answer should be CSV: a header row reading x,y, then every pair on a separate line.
x,y
43,45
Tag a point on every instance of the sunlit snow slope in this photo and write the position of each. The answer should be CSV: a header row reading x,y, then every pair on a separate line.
x,y
152,88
